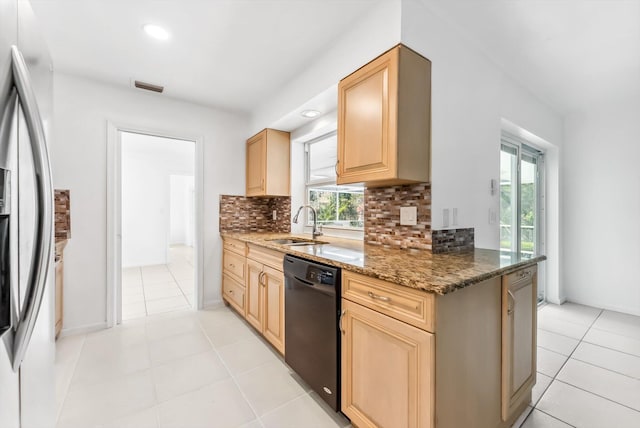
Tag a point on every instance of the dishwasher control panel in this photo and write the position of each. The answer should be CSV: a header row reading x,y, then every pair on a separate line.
x,y
320,276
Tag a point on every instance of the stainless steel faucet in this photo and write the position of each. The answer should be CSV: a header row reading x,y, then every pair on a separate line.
x,y
314,231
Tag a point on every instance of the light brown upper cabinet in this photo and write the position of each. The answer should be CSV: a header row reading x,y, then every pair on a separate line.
x,y
384,121
268,163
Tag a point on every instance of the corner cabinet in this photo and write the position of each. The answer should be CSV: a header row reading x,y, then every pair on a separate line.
x,y
519,321
384,121
268,164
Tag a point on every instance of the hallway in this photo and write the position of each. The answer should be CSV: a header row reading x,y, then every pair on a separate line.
x,y
149,290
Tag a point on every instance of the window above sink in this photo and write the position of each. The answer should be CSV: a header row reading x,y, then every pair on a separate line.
x,y
340,207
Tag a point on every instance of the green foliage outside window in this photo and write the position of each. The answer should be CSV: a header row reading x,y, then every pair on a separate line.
x,y
527,219
337,208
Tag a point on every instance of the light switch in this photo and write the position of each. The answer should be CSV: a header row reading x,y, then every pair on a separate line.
x,y
493,216
408,216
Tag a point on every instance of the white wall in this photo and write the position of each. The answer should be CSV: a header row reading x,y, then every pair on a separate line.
x,y
470,98
373,34
602,208
151,219
181,211
81,111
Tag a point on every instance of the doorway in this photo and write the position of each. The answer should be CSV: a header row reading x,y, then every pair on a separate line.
x,y
158,225
521,200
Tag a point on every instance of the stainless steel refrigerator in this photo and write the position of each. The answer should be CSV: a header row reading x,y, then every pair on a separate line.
x,y
27,346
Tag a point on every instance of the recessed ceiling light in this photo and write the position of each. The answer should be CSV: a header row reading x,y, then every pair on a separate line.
x,y
310,113
156,31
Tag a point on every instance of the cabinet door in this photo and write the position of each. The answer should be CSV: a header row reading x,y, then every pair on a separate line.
x,y
253,308
518,338
387,370
273,328
59,293
367,121
256,164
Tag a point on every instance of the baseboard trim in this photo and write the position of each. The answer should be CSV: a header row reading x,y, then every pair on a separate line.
x,y
211,304
83,329
611,308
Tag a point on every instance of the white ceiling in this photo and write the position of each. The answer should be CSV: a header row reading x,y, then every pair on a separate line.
x,y
572,54
234,54
224,53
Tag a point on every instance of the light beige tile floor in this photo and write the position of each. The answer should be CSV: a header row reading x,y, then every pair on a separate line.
x,y
209,369
183,369
157,289
588,369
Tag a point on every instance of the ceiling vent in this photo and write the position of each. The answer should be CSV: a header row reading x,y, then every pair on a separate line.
x,y
148,86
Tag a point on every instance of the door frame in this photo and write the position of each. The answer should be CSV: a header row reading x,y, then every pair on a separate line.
x,y
114,213
521,144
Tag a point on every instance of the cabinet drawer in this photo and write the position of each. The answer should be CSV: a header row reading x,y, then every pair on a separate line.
x,y
233,264
265,256
235,245
522,275
411,306
233,292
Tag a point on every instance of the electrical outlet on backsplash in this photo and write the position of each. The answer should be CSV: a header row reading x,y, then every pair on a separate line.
x,y
382,216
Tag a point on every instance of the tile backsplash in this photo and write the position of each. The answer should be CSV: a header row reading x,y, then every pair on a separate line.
x,y
381,219
241,214
62,214
382,216
452,240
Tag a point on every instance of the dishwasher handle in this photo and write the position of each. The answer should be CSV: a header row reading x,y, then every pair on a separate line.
x,y
304,281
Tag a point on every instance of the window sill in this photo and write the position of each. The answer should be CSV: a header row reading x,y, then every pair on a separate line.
x,y
338,232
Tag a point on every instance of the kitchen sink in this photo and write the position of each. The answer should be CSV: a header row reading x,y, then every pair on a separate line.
x,y
295,241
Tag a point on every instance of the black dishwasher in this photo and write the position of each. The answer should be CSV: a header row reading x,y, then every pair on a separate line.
x,y
312,311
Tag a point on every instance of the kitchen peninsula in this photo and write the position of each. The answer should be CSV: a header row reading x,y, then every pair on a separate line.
x,y
428,340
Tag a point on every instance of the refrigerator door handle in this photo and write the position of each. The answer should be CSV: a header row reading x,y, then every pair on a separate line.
x,y
44,217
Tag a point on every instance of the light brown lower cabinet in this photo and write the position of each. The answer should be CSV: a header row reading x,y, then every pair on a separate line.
x,y
273,298
265,296
254,307
265,302
519,304
412,359
260,297
59,293
388,370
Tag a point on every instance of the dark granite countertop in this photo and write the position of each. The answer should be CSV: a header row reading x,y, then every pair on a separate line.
x,y
422,270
